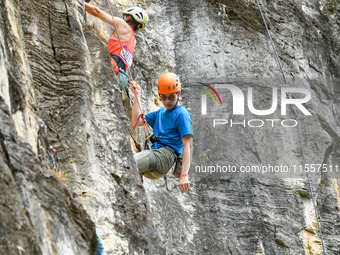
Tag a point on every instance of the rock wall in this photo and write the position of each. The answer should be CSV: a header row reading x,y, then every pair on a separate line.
x,y
37,214
55,66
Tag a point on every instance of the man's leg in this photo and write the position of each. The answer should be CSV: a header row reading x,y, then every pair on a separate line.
x,y
142,158
165,160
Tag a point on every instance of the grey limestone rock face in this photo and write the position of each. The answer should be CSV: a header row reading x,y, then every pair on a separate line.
x,y
37,214
54,66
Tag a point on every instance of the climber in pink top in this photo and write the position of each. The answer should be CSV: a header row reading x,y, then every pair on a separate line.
x,y
133,18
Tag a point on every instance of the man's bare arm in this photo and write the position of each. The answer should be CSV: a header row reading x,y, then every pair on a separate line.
x,y
186,161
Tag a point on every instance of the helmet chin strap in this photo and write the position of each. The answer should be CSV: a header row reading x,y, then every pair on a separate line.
x,y
176,103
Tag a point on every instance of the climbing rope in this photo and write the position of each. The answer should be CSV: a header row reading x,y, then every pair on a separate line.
x,y
299,131
146,127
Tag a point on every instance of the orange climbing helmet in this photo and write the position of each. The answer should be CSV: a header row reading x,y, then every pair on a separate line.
x,y
169,83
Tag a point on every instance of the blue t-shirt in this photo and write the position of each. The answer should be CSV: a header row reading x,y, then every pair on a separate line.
x,y
170,126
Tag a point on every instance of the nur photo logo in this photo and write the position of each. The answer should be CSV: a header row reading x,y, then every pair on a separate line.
x,y
239,104
209,93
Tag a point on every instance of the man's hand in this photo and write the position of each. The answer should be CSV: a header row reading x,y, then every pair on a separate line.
x,y
135,88
183,183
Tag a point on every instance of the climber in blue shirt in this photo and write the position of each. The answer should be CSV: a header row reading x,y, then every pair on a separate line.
x,y
172,127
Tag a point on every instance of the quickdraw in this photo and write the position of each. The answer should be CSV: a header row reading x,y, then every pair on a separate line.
x,y
51,152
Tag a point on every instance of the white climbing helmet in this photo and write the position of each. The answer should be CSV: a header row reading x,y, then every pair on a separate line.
x,y
139,15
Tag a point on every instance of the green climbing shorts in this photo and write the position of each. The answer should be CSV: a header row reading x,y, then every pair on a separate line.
x,y
165,160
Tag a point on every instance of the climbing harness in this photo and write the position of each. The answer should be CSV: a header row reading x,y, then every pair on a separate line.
x,y
51,152
119,67
299,133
